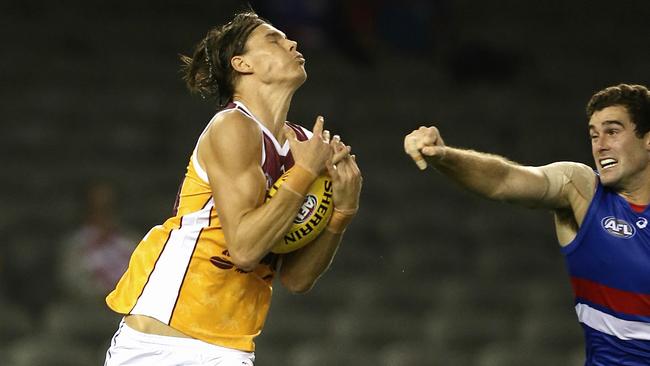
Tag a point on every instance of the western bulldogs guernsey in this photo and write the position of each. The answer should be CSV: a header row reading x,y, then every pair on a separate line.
x,y
181,272
609,265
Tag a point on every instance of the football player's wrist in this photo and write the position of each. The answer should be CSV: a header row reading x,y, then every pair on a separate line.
x,y
300,180
340,220
347,211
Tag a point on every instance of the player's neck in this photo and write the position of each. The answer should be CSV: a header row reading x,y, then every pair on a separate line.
x,y
269,106
638,190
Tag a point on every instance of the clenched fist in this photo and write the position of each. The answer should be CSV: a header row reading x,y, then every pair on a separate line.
x,y
425,142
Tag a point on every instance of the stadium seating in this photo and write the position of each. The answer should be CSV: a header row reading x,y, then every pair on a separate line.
x,y
428,274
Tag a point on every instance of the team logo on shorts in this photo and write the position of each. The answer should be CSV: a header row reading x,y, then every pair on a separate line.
x,y
617,227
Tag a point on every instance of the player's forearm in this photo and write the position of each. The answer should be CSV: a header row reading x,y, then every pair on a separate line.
x,y
260,229
482,173
302,268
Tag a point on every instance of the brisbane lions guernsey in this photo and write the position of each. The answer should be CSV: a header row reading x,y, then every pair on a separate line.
x,y
609,265
181,272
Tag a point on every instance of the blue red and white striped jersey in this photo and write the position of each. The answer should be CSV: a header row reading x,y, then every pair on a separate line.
x,y
609,265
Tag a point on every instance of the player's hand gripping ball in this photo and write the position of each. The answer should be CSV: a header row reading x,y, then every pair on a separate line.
x,y
313,215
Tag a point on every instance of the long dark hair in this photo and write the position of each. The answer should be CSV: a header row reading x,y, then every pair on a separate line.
x,y
209,72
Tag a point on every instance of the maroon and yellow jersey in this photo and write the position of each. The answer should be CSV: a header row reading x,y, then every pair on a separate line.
x,y
181,272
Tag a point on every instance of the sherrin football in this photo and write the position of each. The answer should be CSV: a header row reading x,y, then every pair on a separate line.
x,y
312,217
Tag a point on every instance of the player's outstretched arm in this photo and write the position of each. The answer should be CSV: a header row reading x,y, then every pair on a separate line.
x,y
230,152
556,186
302,268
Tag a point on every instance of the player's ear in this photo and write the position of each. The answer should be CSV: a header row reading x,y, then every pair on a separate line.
x,y
241,65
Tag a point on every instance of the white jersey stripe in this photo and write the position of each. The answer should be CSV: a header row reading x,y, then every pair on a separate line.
x,y
195,154
198,168
608,324
160,293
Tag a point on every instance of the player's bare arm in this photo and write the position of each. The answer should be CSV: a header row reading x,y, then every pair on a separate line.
x,y
251,228
488,175
573,185
565,187
302,268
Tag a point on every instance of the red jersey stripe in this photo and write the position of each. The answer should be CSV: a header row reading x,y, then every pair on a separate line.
x,y
617,300
637,208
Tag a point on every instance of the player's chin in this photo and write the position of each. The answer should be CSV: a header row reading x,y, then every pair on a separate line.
x,y
300,79
303,75
608,179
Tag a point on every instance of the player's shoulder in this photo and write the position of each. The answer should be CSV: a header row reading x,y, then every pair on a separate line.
x,y
573,170
234,124
230,132
573,175
233,119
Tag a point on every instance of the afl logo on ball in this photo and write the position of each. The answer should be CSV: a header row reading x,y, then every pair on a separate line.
x,y
306,209
618,228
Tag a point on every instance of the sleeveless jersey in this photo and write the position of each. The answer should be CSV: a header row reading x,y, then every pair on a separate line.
x,y
181,272
609,265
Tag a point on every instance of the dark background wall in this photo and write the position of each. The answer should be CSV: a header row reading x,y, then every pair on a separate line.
x,y
429,274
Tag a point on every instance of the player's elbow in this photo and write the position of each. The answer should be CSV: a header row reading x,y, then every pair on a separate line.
x,y
296,285
242,260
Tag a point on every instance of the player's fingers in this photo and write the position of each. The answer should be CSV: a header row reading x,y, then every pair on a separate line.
x,y
425,140
326,136
433,135
419,137
339,149
430,150
411,148
354,165
341,154
342,169
419,161
332,171
318,126
413,141
336,142
427,136
439,141
351,171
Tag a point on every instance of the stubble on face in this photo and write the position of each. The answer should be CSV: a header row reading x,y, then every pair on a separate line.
x,y
619,154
